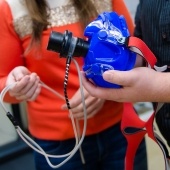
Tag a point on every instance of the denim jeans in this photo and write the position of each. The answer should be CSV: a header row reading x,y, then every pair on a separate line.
x,y
102,151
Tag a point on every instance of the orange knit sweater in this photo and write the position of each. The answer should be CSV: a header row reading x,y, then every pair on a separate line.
x,y
45,118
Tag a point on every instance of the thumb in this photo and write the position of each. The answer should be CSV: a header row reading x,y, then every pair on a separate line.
x,y
19,72
123,78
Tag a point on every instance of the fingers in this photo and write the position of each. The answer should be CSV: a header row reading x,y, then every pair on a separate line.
x,y
35,93
19,72
77,105
92,89
117,94
92,104
27,88
76,100
91,110
20,85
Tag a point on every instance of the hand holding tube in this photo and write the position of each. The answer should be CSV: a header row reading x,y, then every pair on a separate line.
x,y
93,105
27,84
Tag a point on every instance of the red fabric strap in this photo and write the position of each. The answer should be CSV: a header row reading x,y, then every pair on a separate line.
x,y
142,49
133,128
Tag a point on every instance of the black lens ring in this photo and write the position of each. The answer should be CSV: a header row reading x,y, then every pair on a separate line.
x,y
66,43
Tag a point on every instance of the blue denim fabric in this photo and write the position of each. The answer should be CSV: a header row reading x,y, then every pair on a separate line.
x,y
103,151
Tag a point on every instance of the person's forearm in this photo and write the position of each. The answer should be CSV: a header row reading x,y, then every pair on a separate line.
x,y
161,87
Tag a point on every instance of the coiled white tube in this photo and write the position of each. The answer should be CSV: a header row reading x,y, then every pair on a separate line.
x,y
31,143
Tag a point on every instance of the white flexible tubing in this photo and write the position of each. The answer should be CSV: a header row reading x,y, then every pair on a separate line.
x,y
40,150
26,136
80,149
